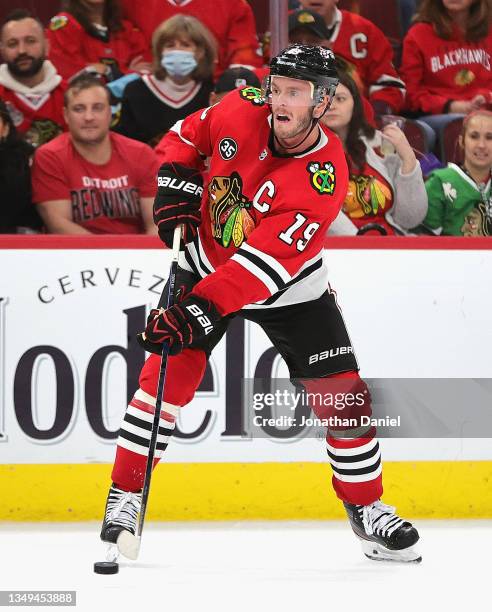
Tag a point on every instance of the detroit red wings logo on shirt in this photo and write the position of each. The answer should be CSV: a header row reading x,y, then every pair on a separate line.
x,y
231,221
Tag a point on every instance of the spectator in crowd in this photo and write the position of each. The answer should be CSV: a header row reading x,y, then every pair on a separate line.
x,y
308,28
231,22
361,43
90,180
17,214
446,61
460,198
180,83
90,34
385,194
29,83
233,78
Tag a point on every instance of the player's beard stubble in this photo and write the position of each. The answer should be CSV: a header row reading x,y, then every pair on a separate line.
x,y
300,129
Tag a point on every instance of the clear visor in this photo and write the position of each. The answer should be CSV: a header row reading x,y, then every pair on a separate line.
x,y
279,90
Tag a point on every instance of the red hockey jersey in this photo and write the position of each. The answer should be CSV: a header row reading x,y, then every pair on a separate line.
x,y
72,48
437,71
362,44
232,24
264,216
37,112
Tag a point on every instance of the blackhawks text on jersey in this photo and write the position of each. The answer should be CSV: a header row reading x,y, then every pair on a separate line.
x,y
438,71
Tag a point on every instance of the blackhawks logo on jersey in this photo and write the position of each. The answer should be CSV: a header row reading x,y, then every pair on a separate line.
x,y
231,221
253,95
464,77
57,22
366,196
323,178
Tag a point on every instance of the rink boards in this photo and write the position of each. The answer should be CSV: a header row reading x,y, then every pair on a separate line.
x,y
69,311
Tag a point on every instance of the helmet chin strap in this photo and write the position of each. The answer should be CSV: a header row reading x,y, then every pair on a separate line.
x,y
314,123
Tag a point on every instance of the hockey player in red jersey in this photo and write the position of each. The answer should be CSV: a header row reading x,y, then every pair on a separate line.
x,y
254,248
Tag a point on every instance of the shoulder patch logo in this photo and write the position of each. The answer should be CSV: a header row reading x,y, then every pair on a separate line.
x,y
253,95
57,22
323,178
227,148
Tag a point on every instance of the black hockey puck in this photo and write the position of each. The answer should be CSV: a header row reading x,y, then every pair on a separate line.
x,y
106,567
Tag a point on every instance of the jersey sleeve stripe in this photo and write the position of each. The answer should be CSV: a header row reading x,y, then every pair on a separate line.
x,y
386,80
257,271
176,128
197,255
269,261
192,264
261,264
202,255
301,276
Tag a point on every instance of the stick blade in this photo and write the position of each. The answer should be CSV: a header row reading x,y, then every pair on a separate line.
x,y
128,545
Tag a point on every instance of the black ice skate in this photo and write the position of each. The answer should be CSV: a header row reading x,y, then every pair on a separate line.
x,y
383,534
120,518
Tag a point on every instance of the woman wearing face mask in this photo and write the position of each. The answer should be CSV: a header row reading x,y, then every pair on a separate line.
x,y
180,83
386,194
460,197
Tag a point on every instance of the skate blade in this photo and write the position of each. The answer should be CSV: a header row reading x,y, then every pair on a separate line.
x,y
128,545
378,552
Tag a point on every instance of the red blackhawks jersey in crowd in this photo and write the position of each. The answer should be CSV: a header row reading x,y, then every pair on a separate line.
x,y
72,48
37,112
105,198
230,21
362,44
438,71
264,216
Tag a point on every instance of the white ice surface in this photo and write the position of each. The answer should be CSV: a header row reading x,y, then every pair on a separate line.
x,y
253,566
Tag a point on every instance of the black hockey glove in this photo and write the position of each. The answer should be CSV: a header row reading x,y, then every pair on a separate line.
x,y
179,192
180,325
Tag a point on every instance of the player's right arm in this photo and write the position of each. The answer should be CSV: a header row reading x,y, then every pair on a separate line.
x,y
190,141
182,152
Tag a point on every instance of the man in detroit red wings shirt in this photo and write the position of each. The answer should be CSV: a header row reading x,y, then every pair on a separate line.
x,y
90,180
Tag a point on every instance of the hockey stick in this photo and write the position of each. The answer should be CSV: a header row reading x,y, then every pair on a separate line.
x,y
129,544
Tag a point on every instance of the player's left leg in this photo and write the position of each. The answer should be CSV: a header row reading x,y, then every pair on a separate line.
x,y
313,340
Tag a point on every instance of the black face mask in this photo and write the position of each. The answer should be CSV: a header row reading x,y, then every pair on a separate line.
x,y
34,68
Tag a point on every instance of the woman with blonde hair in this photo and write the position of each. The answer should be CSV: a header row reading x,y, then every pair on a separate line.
x,y
460,197
184,56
